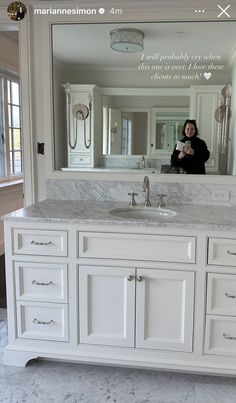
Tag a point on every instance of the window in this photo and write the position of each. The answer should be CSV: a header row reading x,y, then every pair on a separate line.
x,y
126,135
10,129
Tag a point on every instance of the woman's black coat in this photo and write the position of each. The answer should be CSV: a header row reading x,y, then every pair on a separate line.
x,y
192,164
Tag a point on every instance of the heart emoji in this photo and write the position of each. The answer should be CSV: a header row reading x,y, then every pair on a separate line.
x,y
207,76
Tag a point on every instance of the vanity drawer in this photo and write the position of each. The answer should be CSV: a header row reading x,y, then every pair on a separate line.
x,y
41,282
42,321
141,247
222,251
221,294
78,159
39,242
220,335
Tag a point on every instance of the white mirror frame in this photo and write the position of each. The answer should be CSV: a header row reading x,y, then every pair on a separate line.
x,y
42,98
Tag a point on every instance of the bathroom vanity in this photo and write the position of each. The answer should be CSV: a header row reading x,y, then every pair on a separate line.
x,y
87,286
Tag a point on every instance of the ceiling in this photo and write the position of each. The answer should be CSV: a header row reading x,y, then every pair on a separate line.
x,y
89,44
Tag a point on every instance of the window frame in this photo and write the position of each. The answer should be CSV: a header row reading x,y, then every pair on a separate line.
x,y
5,77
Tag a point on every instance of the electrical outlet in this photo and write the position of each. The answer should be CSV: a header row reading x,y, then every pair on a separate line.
x,y
220,195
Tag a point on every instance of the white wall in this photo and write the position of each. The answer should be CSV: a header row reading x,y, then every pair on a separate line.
x,y
9,55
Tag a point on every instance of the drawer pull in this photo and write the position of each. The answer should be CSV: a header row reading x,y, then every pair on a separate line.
x,y
38,322
229,295
37,283
231,253
41,243
130,278
228,337
139,278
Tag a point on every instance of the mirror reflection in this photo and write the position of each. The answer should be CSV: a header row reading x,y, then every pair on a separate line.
x,y
124,132
123,99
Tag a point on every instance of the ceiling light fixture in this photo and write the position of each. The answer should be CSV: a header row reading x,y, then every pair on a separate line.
x,y
127,40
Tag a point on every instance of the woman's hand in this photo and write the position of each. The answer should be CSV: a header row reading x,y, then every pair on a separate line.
x,y
188,150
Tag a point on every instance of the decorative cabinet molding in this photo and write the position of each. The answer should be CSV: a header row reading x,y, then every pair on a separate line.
x,y
148,247
107,305
164,309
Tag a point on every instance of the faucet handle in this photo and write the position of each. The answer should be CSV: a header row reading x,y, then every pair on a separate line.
x,y
132,202
162,202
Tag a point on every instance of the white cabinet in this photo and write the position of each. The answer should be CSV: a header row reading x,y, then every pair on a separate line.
x,y
221,298
106,305
40,286
164,309
162,299
84,125
150,297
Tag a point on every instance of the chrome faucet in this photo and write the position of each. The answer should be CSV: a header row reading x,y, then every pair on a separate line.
x,y
146,190
162,202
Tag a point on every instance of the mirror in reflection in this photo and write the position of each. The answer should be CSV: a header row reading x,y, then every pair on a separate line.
x,y
126,110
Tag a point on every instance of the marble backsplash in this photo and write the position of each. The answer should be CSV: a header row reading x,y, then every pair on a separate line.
x,y
132,162
177,193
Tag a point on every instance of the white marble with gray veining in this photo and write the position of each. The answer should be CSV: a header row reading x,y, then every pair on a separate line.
x,y
99,190
87,212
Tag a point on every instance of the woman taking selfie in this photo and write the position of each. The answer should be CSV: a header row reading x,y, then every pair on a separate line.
x,y
191,152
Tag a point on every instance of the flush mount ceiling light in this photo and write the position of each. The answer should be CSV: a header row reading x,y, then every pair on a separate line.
x,y
127,40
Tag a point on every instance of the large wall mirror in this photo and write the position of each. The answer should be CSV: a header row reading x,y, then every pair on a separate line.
x,y
121,93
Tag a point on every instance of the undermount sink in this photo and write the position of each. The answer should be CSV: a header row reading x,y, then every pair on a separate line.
x,y
143,213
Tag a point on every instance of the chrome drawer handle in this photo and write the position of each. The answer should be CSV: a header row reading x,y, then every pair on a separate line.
x,y
231,253
228,337
40,243
130,278
229,295
38,322
37,283
139,278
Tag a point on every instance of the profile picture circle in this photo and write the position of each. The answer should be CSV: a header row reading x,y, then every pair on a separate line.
x,y
16,11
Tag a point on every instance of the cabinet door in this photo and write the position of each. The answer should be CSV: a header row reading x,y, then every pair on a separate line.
x,y
165,301
106,305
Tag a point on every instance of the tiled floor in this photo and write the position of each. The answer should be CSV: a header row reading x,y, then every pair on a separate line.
x,y
53,382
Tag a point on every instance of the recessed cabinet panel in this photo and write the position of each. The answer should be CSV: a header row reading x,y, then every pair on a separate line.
x,y
143,247
42,321
221,335
221,294
41,282
40,242
222,251
106,305
165,301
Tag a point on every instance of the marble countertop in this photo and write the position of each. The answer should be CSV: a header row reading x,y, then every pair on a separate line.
x,y
91,212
